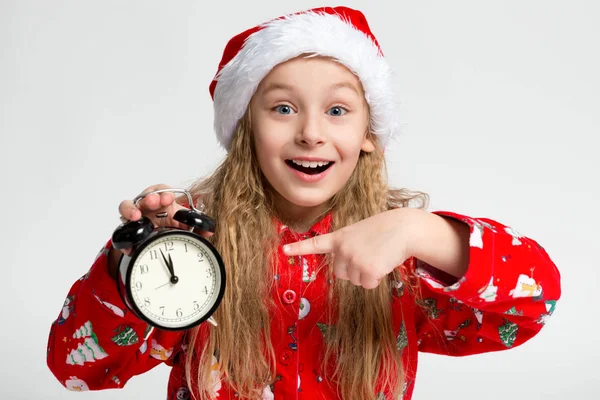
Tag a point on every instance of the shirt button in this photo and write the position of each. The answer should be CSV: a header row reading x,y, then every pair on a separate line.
x,y
285,357
289,296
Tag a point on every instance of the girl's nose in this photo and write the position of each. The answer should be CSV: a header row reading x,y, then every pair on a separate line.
x,y
311,131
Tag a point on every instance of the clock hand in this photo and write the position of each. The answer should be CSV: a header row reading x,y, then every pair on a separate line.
x,y
164,284
167,263
172,266
174,279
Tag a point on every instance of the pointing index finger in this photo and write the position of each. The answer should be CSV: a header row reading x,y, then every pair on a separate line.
x,y
319,244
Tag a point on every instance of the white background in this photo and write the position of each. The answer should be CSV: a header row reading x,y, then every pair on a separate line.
x,y
500,112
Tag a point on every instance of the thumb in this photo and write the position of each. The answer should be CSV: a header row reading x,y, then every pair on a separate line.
x,y
320,244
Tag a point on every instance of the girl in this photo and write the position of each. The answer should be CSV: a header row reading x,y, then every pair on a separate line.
x,y
335,281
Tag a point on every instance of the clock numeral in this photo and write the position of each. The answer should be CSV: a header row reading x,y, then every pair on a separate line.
x,y
200,257
196,305
209,272
153,255
138,286
185,245
143,269
147,302
178,312
205,290
168,246
162,309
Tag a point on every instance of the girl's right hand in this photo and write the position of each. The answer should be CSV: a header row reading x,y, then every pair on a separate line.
x,y
150,206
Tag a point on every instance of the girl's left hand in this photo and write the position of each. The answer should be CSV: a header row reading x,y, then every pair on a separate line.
x,y
365,252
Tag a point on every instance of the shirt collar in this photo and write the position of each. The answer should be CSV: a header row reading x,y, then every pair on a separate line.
x,y
321,227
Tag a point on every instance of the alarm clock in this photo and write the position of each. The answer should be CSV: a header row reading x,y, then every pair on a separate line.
x,y
173,279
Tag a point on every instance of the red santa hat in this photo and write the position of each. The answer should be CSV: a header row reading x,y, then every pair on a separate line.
x,y
338,32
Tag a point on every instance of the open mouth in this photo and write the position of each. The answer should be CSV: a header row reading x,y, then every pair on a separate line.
x,y
309,167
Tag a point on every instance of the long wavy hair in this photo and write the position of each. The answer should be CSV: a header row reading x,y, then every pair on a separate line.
x,y
361,350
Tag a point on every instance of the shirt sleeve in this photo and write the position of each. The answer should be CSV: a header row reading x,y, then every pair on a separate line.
x,y
96,343
506,296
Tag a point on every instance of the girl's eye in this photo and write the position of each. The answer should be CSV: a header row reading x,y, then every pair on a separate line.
x,y
284,109
337,111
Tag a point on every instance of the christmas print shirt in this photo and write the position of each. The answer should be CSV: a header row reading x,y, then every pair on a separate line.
x,y
506,296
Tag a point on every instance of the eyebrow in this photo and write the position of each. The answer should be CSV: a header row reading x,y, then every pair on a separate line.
x,y
283,86
277,86
347,85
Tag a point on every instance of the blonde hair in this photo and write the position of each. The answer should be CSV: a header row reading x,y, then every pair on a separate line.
x,y
362,342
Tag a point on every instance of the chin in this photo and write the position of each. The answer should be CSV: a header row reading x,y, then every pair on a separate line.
x,y
308,200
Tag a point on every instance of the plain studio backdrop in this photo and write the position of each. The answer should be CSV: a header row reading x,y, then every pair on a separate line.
x,y
500,111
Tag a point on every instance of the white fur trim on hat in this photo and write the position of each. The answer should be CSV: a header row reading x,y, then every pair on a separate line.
x,y
283,39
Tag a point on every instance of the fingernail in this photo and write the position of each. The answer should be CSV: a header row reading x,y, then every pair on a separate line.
x,y
286,248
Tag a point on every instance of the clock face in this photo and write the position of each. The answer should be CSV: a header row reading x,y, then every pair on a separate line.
x,y
175,280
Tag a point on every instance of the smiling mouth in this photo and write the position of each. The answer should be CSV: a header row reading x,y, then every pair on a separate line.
x,y
309,167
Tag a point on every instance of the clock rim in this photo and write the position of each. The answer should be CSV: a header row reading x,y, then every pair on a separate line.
x,y
172,232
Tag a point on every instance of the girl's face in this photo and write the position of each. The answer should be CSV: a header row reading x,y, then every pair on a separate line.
x,y
309,121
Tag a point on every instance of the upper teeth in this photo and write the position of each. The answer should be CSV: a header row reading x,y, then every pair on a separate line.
x,y
310,164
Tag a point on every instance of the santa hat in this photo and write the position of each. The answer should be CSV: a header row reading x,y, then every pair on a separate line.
x,y
338,32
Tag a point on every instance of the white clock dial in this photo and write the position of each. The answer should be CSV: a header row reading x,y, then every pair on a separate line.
x,y
198,282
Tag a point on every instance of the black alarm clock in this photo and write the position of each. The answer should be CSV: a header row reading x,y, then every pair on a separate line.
x,y
174,279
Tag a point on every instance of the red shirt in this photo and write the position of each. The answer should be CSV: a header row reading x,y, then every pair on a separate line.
x,y
509,291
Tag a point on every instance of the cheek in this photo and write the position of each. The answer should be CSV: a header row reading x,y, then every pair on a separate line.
x,y
268,154
270,138
350,149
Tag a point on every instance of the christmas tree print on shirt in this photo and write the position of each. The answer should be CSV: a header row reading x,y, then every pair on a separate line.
x,y
326,331
88,350
430,305
513,311
402,338
124,336
508,333
307,276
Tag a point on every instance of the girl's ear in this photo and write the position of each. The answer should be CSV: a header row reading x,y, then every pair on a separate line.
x,y
368,146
